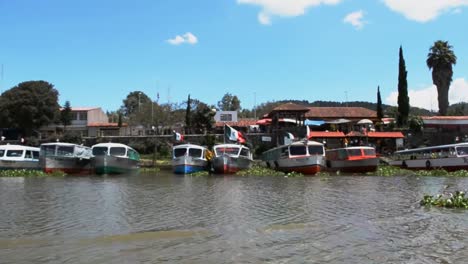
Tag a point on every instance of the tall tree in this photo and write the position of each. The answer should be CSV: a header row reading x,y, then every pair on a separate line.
x,y
229,102
134,102
29,106
379,105
440,59
403,99
188,122
65,115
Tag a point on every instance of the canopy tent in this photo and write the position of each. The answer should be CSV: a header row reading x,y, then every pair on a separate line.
x,y
326,134
365,121
338,121
267,121
314,122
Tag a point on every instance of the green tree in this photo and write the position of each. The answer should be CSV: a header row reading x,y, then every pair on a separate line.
x,y
29,106
379,105
188,115
229,102
202,118
65,115
440,60
133,103
403,99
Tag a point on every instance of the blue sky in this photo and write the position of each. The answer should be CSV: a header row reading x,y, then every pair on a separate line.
x,y
96,52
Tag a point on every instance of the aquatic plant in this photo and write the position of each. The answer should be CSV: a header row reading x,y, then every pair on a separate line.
x,y
389,171
150,169
22,173
294,174
200,173
260,171
457,200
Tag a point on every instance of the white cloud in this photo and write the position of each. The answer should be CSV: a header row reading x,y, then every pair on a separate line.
x,y
186,38
426,10
427,97
355,19
284,8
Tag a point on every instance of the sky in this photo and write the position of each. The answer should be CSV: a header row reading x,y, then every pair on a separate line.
x,y
96,52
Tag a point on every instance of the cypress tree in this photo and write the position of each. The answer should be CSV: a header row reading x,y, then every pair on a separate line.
x,y
187,115
379,105
403,99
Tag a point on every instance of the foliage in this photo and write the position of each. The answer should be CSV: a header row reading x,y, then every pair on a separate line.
x,y
415,123
260,171
229,102
200,173
459,109
379,104
457,200
132,104
29,173
440,60
390,171
188,114
29,106
72,137
65,115
202,118
403,99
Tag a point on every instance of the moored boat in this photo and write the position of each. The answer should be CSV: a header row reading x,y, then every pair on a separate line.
x,y
189,158
306,157
450,157
19,157
352,159
67,157
230,158
114,158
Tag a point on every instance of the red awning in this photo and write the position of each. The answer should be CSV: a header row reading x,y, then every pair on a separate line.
x,y
264,121
325,134
385,135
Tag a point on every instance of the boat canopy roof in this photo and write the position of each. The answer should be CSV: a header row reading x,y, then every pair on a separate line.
x,y
432,148
8,146
188,146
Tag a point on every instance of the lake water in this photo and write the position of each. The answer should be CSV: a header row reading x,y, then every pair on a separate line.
x,y
183,219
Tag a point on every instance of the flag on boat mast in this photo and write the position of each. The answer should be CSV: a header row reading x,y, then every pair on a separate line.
x,y
178,136
233,135
289,138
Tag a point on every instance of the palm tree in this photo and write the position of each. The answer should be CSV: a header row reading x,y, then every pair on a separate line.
x,y
440,59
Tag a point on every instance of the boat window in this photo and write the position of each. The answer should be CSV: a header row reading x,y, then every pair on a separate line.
x,y
28,154
231,151
342,154
369,152
179,152
117,151
354,152
99,151
14,153
315,150
297,150
132,154
195,153
48,150
35,154
462,151
245,152
65,150
2,152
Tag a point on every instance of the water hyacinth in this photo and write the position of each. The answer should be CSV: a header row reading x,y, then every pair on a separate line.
x,y
260,171
449,200
29,173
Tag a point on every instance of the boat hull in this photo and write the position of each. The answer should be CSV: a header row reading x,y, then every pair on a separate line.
x,y
308,165
357,165
69,165
19,165
449,163
114,165
187,165
226,164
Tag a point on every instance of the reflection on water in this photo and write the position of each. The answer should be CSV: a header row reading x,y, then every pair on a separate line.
x,y
166,218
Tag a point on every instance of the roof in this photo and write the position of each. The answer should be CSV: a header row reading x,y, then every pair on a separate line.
x,y
243,122
292,107
101,124
385,135
445,120
83,108
326,134
340,112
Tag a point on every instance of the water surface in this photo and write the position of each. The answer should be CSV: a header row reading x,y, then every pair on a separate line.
x,y
228,219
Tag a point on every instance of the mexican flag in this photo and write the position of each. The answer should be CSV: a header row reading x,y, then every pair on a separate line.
x,y
233,135
178,136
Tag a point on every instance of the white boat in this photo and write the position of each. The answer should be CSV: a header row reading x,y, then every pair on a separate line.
x,y
306,157
352,159
67,157
230,158
189,158
19,157
114,158
449,157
